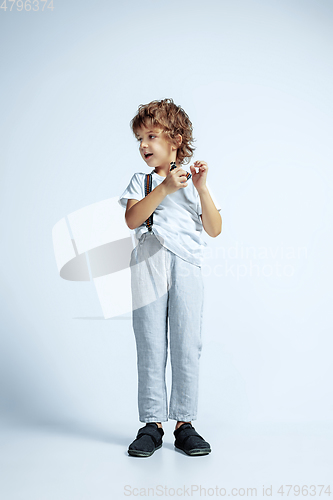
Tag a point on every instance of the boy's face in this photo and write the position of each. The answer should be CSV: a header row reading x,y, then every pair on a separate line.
x,y
155,148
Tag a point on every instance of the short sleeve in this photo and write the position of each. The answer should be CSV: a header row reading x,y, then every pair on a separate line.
x,y
133,191
216,203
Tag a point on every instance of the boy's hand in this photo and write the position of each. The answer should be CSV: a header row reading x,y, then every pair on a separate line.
x,y
199,179
175,180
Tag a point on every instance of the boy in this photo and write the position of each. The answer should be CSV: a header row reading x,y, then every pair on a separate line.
x,y
167,263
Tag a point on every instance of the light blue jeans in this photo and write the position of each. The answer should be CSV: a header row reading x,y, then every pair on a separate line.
x,y
166,288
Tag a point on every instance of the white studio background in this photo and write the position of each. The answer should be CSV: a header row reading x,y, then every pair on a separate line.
x,y
256,79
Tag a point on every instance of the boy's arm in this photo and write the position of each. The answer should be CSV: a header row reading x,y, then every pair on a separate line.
x,y
137,212
211,218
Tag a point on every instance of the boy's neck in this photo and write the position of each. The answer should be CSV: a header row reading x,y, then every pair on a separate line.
x,y
160,171
163,171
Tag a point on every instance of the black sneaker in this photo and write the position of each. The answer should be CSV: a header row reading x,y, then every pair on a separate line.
x,y
190,442
148,440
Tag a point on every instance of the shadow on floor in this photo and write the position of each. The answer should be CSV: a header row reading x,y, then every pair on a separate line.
x,y
87,430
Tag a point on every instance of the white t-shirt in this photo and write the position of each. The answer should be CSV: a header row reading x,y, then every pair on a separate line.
x,y
176,219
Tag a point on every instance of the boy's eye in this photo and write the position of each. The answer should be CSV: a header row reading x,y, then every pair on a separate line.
x,y
151,136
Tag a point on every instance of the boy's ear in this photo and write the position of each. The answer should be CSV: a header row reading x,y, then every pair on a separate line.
x,y
178,140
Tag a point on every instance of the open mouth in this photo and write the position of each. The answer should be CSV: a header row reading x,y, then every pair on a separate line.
x,y
148,155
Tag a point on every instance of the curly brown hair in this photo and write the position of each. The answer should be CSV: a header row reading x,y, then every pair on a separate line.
x,y
172,119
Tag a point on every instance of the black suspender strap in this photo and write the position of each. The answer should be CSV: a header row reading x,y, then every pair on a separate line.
x,y
148,186
173,165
